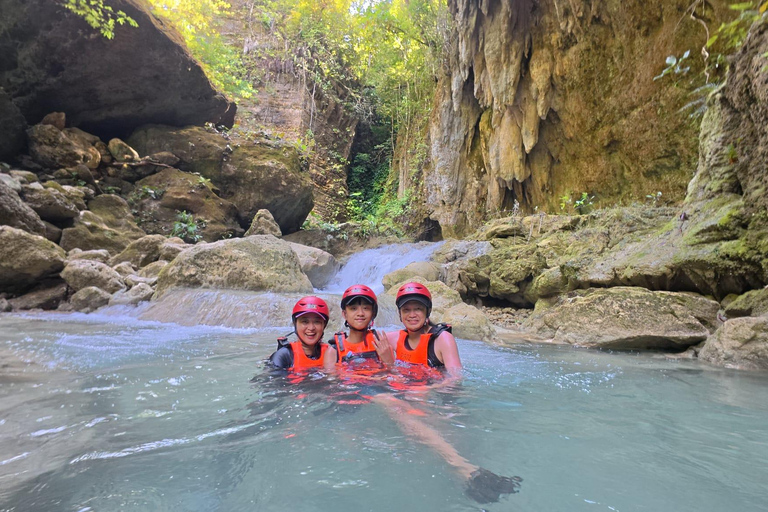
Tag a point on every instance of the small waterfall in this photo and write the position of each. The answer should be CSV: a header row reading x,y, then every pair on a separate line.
x,y
371,265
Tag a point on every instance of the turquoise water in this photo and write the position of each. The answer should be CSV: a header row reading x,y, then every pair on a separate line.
x,y
132,415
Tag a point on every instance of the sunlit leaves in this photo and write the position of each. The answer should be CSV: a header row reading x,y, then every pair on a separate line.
x,y
99,15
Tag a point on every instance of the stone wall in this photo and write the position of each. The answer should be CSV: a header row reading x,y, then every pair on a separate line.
x,y
550,99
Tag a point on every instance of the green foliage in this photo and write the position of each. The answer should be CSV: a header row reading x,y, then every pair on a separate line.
x,y
99,15
186,227
728,38
145,192
584,204
200,23
654,199
675,65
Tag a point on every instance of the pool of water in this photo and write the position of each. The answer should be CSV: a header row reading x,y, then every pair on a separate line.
x,y
123,414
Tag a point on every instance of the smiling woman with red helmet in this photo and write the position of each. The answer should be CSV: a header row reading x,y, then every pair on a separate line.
x,y
310,316
422,342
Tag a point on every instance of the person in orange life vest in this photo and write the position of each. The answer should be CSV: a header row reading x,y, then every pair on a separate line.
x,y
310,316
359,308
422,342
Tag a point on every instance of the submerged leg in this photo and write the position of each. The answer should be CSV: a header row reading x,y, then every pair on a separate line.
x,y
483,486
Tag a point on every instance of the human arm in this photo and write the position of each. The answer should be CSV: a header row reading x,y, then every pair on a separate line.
x,y
447,351
281,358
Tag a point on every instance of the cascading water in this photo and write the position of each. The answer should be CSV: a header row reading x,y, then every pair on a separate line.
x,y
370,266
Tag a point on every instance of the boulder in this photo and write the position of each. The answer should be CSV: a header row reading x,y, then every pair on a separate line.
x,y
426,270
752,303
80,274
52,149
55,61
318,265
5,306
124,269
132,280
153,269
49,203
16,213
739,343
161,199
145,250
625,318
100,255
89,299
263,223
24,177
13,182
549,283
139,293
56,119
260,262
26,258
108,225
46,296
121,151
252,175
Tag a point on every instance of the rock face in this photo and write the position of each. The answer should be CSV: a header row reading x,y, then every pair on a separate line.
x,y
159,199
264,174
739,343
625,318
26,258
260,262
52,61
108,225
543,99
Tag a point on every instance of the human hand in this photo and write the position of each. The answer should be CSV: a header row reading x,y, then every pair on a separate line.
x,y
383,348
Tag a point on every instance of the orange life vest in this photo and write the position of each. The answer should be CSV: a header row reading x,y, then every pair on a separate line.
x,y
419,355
301,360
365,348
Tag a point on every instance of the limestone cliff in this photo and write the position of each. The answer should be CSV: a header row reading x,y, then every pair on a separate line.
x,y
551,98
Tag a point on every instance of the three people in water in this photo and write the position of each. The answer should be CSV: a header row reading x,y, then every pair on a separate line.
x,y
421,343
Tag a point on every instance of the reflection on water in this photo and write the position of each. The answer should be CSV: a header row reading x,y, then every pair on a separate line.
x,y
137,415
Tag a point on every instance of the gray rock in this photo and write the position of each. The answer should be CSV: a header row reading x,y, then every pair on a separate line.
x,y
100,255
49,203
427,270
52,149
16,213
80,274
47,296
121,151
625,318
260,262
153,269
124,269
139,293
11,181
739,343
89,299
318,265
263,223
26,258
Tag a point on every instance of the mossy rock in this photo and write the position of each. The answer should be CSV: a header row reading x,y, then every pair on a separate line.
x,y
752,303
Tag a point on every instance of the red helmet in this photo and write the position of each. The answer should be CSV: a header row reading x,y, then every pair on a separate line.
x,y
360,291
414,291
311,304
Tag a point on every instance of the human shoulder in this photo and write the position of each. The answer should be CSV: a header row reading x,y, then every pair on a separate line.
x,y
282,358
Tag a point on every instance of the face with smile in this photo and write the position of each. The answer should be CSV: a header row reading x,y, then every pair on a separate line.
x,y
358,314
309,329
413,314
